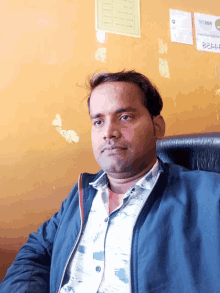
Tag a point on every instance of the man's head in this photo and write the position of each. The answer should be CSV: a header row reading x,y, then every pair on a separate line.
x,y
125,111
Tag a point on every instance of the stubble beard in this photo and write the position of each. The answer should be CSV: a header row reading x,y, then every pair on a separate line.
x,y
116,165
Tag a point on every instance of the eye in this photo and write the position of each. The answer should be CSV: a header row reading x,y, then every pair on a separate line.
x,y
97,122
125,117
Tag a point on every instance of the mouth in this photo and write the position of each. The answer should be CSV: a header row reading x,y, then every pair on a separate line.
x,y
113,150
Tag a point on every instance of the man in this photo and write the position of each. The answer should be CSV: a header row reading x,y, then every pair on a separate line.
x,y
139,225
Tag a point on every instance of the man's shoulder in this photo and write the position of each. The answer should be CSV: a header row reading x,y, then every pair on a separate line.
x,y
181,170
195,178
193,188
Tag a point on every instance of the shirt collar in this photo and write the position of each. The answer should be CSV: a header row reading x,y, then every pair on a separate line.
x,y
101,182
146,182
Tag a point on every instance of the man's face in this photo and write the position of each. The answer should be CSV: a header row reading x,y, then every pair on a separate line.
x,y
123,137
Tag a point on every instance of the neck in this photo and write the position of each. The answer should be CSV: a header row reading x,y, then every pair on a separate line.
x,y
121,185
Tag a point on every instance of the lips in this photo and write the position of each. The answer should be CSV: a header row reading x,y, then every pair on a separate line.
x,y
113,148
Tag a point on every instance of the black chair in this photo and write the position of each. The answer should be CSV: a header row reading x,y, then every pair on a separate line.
x,y
194,151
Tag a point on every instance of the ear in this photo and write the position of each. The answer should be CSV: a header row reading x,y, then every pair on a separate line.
x,y
159,126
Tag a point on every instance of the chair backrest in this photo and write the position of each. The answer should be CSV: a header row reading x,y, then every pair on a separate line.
x,y
195,151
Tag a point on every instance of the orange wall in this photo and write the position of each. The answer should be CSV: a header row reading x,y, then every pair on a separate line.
x,y
47,50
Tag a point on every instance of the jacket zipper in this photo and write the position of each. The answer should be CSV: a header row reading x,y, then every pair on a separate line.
x,y
132,287
80,232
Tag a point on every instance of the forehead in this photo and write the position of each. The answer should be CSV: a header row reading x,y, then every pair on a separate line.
x,y
111,95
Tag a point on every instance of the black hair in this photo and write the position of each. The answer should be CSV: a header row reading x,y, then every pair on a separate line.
x,y
152,99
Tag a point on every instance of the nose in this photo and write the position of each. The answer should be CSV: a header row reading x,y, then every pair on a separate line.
x,y
111,131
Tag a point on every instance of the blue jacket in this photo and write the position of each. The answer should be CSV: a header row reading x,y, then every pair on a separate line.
x,y
175,246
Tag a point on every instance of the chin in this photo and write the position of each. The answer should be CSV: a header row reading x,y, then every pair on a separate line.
x,y
115,164
112,169
123,168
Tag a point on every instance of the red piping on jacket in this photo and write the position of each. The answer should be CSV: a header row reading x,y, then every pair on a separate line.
x,y
80,196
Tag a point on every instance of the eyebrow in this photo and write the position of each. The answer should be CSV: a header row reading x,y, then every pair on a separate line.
x,y
120,110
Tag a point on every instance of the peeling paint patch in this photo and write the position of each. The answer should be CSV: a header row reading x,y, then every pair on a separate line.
x,y
57,121
81,85
162,47
164,68
69,135
100,55
217,92
100,35
217,71
174,101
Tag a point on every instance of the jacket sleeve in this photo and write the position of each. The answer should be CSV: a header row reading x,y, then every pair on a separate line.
x,y
30,271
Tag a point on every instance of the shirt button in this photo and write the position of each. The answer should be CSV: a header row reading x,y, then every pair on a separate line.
x,y
106,219
98,269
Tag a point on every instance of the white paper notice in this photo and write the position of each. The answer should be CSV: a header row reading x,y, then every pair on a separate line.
x,y
181,27
207,32
118,16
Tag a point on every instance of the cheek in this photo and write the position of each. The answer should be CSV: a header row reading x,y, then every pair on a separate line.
x,y
134,135
95,141
128,134
140,137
